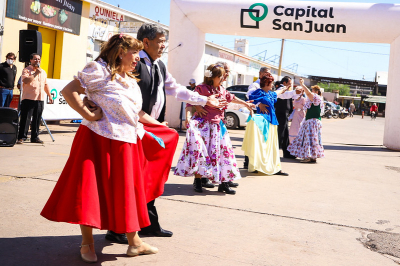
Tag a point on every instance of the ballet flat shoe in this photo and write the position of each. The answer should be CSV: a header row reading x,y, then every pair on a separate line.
x,y
134,251
89,257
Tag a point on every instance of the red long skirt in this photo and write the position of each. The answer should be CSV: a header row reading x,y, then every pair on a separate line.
x,y
159,159
106,183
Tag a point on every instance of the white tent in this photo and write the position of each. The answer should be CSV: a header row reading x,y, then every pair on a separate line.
x,y
190,20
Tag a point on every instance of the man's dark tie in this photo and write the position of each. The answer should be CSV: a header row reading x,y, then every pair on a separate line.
x,y
155,82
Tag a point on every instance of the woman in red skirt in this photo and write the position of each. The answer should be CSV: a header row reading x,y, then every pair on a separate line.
x,y
103,184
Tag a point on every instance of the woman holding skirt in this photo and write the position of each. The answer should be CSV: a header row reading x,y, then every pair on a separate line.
x,y
308,144
208,151
260,141
104,184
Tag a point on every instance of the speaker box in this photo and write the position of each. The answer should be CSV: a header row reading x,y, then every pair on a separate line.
x,y
8,126
30,41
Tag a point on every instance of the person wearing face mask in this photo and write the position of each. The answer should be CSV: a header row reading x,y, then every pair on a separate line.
x,y
208,151
35,85
8,72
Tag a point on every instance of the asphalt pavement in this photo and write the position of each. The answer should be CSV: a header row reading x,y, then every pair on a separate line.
x,y
344,210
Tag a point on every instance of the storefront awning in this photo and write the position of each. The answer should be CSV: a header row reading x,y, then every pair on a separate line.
x,y
376,99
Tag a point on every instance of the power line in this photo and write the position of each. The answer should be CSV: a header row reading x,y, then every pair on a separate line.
x,y
330,60
337,48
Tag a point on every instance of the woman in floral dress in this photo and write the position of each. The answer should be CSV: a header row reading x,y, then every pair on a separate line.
x,y
308,143
208,151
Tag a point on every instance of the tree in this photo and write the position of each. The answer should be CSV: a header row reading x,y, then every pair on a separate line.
x,y
344,90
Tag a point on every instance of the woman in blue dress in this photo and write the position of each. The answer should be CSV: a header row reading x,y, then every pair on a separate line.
x,y
260,142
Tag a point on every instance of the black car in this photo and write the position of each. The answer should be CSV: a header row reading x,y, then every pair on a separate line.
x,y
243,88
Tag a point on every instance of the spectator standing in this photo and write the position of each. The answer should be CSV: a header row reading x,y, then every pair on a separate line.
x,y
35,85
352,108
192,84
8,72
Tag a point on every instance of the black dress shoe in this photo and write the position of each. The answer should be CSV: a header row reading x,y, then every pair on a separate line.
x,y
224,187
231,184
159,233
205,182
117,238
282,173
289,156
197,185
37,140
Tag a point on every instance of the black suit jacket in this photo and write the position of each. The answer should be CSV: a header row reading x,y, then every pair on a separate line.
x,y
145,85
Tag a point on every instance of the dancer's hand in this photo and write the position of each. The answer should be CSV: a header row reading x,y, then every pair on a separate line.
x,y
252,105
216,103
89,104
263,108
165,123
187,121
249,107
95,115
200,111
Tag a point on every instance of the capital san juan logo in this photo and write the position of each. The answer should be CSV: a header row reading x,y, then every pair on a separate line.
x,y
304,18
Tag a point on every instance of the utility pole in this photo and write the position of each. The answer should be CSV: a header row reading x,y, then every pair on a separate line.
x,y
280,60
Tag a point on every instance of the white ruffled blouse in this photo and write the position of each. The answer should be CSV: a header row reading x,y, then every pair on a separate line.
x,y
120,101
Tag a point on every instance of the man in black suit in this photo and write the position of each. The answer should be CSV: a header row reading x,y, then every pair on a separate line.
x,y
155,83
283,108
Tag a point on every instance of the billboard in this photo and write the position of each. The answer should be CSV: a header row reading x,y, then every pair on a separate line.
x,y
64,15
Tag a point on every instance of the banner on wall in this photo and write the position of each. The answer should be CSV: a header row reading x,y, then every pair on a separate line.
x,y
59,110
129,27
64,15
242,60
226,55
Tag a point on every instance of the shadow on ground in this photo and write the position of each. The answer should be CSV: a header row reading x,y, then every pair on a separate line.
x,y
356,148
51,250
187,190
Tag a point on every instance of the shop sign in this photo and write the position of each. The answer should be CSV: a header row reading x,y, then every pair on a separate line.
x,y
129,27
101,31
242,60
254,65
64,15
225,55
103,13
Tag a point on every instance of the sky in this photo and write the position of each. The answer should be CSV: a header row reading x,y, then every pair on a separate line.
x,y
319,58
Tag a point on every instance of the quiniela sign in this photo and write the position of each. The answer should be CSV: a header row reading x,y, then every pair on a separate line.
x,y
309,14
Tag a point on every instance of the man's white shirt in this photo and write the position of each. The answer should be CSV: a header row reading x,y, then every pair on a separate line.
x,y
172,88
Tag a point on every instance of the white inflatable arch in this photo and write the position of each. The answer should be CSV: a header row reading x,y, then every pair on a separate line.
x,y
190,20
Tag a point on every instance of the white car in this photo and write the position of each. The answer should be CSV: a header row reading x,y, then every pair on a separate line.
x,y
237,118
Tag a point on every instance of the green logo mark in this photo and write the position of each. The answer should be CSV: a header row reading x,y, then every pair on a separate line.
x,y
53,92
264,15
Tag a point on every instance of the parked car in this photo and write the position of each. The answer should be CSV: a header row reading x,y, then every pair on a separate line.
x,y
242,88
237,118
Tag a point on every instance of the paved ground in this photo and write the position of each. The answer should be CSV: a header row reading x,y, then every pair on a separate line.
x,y
344,210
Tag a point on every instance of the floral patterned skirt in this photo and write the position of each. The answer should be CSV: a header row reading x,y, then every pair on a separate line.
x,y
206,153
308,143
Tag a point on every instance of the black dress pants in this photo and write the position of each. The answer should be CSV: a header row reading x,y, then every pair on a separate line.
x,y
34,109
154,226
283,133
